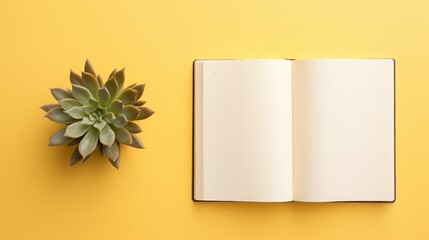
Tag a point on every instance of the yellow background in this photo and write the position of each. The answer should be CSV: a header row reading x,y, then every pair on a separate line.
x,y
150,197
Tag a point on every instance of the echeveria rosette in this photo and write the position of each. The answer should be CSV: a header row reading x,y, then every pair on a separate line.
x,y
97,114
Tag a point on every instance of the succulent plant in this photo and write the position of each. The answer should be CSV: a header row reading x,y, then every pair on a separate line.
x,y
97,114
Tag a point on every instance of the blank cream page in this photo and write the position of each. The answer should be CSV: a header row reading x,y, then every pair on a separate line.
x,y
243,148
343,130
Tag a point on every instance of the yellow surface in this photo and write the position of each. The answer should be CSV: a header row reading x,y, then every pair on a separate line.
x,y
150,197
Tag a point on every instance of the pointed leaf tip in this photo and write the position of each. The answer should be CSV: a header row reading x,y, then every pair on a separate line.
x,y
75,78
90,82
112,74
76,130
48,107
88,68
145,113
68,103
139,103
122,135
58,138
116,162
75,157
100,81
133,128
132,85
57,115
112,87
137,143
128,96
131,112
86,158
104,96
81,94
76,112
113,154
74,142
120,77
101,149
60,94
140,89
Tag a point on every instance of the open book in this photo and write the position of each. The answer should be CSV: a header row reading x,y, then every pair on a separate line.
x,y
277,130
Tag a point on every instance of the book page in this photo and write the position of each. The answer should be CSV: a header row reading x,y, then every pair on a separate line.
x,y
343,122
243,130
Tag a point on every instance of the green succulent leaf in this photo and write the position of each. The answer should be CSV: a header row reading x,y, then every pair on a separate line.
x,y
112,74
68,103
60,94
89,142
107,136
104,96
57,115
112,86
116,106
112,151
76,130
88,68
100,81
81,94
88,109
131,112
120,121
101,149
90,82
99,118
140,89
86,158
120,78
100,124
109,117
58,138
75,157
116,162
128,96
139,103
87,121
74,142
48,107
102,110
93,102
136,142
76,112
133,128
75,78
131,86
145,113
122,135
